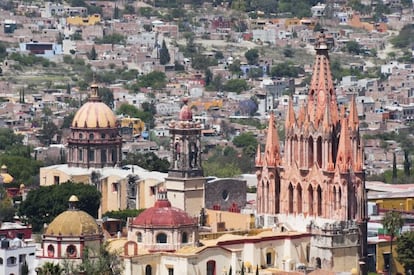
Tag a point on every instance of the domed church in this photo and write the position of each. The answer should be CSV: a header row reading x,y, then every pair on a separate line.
x,y
94,141
69,233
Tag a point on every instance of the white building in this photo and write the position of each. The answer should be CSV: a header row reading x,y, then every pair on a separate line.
x,y
13,254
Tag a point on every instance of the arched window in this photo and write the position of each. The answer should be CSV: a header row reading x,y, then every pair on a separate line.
x,y
269,258
80,136
310,152
50,251
71,251
161,238
319,191
319,151
184,237
318,263
299,201
290,198
148,270
80,154
11,260
91,137
1,261
211,267
139,237
310,200
334,197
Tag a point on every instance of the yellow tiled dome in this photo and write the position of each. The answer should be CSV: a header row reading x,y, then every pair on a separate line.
x,y
94,114
73,223
7,178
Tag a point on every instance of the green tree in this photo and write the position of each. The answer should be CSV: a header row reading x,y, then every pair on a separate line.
x,y
392,222
106,96
123,214
8,138
288,51
353,47
245,140
92,55
42,205
252,56
155,80
149,161
50,268
164,54
234,67
7,210
208,77
114,38
404,38
405,251
255,72
48,132
286,69
105,262
235,86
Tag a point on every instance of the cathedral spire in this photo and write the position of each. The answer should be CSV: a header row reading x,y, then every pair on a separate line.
x,y
327,119
258,156
272,150
344,157
321,92
353,115
290,116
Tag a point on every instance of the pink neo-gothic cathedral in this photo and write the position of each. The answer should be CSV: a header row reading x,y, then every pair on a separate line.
x,y
319,179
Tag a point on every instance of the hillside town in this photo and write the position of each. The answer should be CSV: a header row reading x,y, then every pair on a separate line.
x,y
205,137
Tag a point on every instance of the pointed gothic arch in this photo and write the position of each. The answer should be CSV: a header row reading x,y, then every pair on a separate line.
x,y
299,198
319,151
334,195
295,148
290,199
310,151
319,199
310,200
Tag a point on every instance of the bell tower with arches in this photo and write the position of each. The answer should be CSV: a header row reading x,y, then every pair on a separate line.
x,y
185,183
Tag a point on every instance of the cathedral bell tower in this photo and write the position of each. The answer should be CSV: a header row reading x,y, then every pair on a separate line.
x,y
185,182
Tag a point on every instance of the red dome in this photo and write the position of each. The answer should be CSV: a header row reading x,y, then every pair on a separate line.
x,y
186,114
163,215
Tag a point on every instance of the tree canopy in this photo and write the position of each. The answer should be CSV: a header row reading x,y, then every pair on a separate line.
x,y
155,80
149,161
404,38
42,205
405,251
252,56
236,86
164,54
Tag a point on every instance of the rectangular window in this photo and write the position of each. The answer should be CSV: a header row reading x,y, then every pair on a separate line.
x,y
22,258
56,180
80,155
170,271
114,187
103,156
91,155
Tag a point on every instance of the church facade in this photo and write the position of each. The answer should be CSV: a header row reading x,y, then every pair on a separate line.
x,y
317,185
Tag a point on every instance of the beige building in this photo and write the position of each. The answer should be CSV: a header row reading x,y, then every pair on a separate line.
x,y
129,187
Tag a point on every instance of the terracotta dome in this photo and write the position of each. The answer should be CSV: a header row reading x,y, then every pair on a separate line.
x,y
186,114
73,223
163,215
94,113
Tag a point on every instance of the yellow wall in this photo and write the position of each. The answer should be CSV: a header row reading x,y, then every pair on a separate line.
x,y
84,21
233,221
137,124
385,247
405,204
